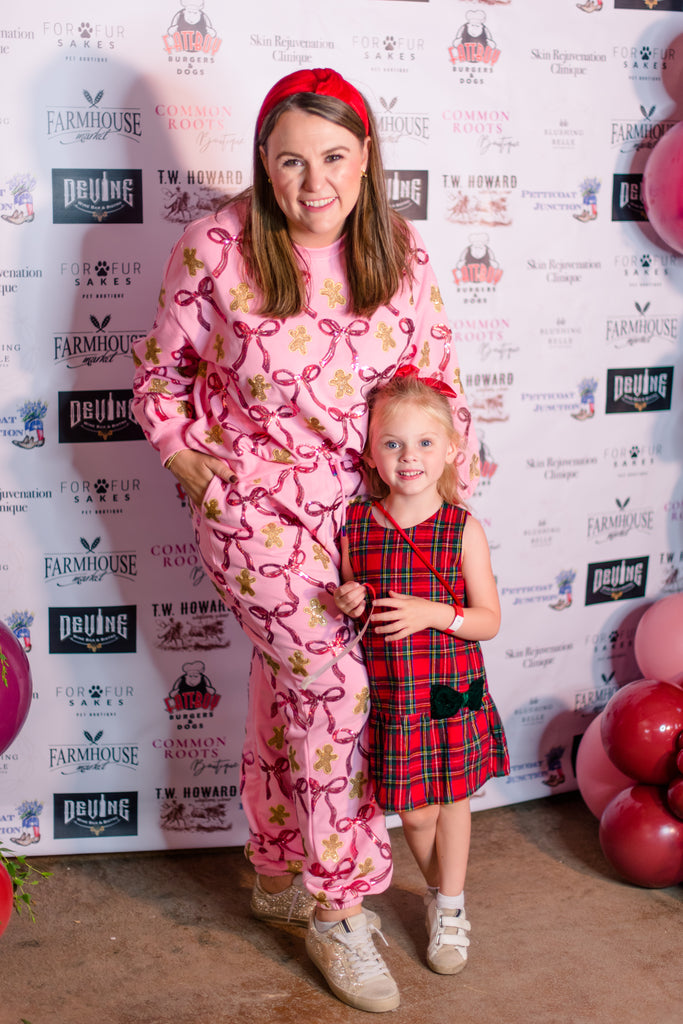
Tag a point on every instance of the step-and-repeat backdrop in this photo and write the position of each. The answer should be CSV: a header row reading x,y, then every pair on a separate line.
x,y
515,135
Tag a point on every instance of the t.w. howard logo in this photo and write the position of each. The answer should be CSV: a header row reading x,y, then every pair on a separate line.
x,y
93,123
646,389
87,195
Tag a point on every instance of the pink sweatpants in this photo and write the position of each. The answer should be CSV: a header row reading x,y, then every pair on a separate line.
x,y
305,781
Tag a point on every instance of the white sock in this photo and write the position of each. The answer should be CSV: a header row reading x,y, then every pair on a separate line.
x,y
324,926
450,902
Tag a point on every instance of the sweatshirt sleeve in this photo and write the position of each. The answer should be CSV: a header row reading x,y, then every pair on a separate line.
x,y
167,361
436,356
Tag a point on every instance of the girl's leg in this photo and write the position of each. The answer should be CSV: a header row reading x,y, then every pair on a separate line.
x,y
453,831
420,830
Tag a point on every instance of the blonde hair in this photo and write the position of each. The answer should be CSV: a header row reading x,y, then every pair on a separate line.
x,y
385,401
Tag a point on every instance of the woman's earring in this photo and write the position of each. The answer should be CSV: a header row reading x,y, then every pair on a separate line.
x,y
363,174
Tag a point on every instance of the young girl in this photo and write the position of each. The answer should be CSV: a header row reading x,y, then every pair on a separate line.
x,y
436,736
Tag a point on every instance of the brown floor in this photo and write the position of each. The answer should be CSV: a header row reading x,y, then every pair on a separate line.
x,y
166,938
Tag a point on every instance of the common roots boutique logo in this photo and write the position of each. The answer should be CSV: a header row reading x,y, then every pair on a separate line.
x,y
86,348
93,122
101,196
32,425
93,756
407,193
642,389
90,565
191,41
97,416
110,630
473,52
95,815
618,580
16,199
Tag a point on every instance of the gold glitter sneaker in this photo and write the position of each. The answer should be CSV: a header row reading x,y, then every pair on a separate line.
x,y
346,957
448,939
293,905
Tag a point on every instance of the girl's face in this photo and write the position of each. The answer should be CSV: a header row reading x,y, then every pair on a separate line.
x,y
315,169
409,448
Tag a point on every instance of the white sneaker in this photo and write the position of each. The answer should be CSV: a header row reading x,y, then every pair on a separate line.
x,y
448,939
346,957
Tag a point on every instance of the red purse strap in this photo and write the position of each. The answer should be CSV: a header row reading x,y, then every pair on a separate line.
x,y
420,554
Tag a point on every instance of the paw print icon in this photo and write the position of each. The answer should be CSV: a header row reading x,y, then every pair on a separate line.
x,y
95,692
101,486
101,268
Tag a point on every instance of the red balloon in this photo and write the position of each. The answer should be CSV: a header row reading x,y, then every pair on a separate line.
x,y
658,641
598,779
663,187
6,898
641,839
16,687
674,796
640,729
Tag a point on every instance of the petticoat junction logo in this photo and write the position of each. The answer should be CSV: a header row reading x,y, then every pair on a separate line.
x,y
16,200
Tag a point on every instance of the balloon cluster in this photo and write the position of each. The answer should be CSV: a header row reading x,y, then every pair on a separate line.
x,y
629,765
16,687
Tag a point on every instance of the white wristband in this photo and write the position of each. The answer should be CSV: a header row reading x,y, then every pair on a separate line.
x,y
457,622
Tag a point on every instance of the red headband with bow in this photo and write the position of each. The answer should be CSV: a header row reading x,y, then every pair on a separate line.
x,y
322,82
407,370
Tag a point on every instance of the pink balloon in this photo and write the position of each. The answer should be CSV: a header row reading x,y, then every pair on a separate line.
x,y
663,187
599,780
6,896
640,728
16,687
641,839
658,642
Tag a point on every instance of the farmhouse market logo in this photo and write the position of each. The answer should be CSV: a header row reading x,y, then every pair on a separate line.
x,y
86,348
90,565
90,122
93,756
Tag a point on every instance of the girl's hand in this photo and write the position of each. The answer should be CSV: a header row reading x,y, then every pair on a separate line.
x,y
194,472
350,598
408,615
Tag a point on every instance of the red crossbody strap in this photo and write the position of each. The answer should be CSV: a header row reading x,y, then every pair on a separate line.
x,y
420,554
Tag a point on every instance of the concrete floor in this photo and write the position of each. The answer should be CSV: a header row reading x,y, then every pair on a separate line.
x,y
166,938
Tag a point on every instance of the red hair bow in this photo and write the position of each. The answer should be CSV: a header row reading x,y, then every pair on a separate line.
x,y
323,82
408,370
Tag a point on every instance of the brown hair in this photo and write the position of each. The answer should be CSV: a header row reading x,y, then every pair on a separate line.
x,y
400,391
378,244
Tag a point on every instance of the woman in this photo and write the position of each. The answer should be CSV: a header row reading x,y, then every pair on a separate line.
x,y
278,316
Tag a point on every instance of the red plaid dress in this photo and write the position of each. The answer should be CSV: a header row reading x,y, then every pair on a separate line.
x,y
415,759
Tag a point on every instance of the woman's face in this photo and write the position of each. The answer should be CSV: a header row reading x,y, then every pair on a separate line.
x,y
315,167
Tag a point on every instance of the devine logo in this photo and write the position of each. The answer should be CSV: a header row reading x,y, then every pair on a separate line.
x,y
618,580
84,195
407,193
95,815
87,416
627,197
645,389
110,630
